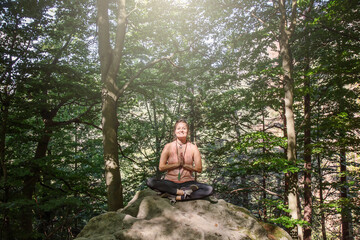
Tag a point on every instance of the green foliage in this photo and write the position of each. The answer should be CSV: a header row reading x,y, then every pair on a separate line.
x,y
48,84
221,78
288,222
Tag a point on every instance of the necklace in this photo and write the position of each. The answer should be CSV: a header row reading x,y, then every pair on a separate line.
x,y
182,157
180,144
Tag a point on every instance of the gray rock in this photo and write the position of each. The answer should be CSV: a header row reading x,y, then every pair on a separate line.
x,y
147,216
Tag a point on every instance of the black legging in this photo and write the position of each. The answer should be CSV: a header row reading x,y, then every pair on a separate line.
x,y
167,186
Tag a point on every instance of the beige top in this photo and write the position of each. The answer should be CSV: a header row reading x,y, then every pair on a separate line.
x,y
186,175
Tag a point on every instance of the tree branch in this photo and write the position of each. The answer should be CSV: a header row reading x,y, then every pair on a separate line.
x,y
148,65
268,191
90,124
76,119
293,17
120,36
68,185
135,8
241,189
257,186
123,154
105,50
103,23
172,63
58,55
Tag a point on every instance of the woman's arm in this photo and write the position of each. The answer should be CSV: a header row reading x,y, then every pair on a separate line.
x,y
197,162
163,166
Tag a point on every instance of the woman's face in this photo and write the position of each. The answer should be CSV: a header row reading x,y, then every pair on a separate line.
x,y
181,130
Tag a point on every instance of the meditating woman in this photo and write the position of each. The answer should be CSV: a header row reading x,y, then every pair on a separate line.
x,y
180,159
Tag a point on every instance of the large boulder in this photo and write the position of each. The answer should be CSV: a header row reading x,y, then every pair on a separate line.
x,y
148,216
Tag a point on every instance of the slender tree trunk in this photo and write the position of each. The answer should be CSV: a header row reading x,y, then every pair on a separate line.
x,y
307,135
322,215
158,138
264,177
192,116
307,155
192,121
32,179
4,121
308,167
192,126
245,194
346,219
76,141
5,228
287,66
286,175
345,211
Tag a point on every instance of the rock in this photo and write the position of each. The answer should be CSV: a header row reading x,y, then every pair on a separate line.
x,y
147,216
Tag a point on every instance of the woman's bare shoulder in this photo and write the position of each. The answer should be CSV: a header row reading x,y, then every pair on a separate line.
x,y
193,145
168,145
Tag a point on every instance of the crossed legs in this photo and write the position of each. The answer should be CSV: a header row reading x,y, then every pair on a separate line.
x,y
179,189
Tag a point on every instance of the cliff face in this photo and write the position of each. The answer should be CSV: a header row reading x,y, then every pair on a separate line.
x,y
150,217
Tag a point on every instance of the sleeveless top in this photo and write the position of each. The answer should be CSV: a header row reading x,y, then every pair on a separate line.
x,y
186,175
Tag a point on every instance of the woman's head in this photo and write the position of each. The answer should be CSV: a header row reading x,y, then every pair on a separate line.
x,y
181,129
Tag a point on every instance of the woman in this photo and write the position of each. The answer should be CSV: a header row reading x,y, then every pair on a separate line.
x,y
180,159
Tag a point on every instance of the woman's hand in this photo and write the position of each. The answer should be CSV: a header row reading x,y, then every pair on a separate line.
x,y
177,165
168,167
181,161
197,165
163,165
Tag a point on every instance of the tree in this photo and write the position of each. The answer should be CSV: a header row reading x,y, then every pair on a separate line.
x,y
110,60
109,64
47,41
286,27
307,121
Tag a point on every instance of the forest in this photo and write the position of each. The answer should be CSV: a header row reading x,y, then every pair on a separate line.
x,y
90,91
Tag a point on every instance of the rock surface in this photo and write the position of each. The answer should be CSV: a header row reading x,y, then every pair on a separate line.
x,y
147,216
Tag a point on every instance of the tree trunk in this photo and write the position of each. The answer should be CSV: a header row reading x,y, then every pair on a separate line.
x,y
111,158
307,135
345,211
158,138
307,154
245,195
109,64
5,229
110,59
33,178
192,121
287,66
264,177
322,215
308,166
286,175
193,117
